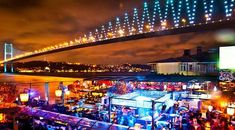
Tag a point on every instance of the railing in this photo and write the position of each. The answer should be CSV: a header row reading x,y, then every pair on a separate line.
x,y
71,120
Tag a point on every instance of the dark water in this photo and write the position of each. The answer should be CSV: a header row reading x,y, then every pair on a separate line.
x,y
37,84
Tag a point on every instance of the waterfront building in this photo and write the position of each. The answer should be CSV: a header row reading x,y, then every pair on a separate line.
x,y
201,63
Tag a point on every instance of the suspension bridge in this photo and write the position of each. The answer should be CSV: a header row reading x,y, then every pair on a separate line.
x,y
154,19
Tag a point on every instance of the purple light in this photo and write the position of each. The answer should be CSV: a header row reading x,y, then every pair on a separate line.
x,y
31,93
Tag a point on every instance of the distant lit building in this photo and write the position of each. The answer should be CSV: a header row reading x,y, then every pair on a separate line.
x,y
201,63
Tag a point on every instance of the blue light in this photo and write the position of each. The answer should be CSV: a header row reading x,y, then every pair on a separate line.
x,y
117,26
145,16
135,20
110,28
208,7
142,98
103,33
126,23
66,89
31,93
229,7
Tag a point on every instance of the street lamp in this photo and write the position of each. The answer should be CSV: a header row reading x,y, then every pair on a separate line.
x,y
24,97
58,93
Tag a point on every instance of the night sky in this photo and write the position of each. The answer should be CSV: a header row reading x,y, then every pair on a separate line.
x,y
34,24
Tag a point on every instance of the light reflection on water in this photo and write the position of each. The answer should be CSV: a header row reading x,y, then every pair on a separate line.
x,y
38,82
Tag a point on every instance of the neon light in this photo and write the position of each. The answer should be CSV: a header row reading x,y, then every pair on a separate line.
x,y
117,26
135,21
97,35
126,24
176,10
191,10
110,28
157,7
208,7
103,33
144,16
229,7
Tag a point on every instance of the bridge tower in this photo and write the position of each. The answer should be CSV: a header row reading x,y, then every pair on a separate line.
x,y
8,53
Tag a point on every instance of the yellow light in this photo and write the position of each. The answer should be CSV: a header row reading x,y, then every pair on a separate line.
x,y
110,34
164,24
66,44
121,32
210,108
148,27
95,94
223,104
133,29
223,83
137,126
67,93
92,38
58,93
84,39
76,40
2,117
207,125
184,20
24,97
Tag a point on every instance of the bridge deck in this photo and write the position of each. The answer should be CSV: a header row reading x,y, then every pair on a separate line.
x,y
186,29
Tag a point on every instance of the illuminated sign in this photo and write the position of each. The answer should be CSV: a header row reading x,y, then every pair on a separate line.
x,y
226,57
226,76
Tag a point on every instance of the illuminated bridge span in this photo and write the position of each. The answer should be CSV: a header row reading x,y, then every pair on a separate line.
x,y
157,18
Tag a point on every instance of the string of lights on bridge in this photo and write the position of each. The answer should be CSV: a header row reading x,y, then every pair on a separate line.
x,y
163,17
